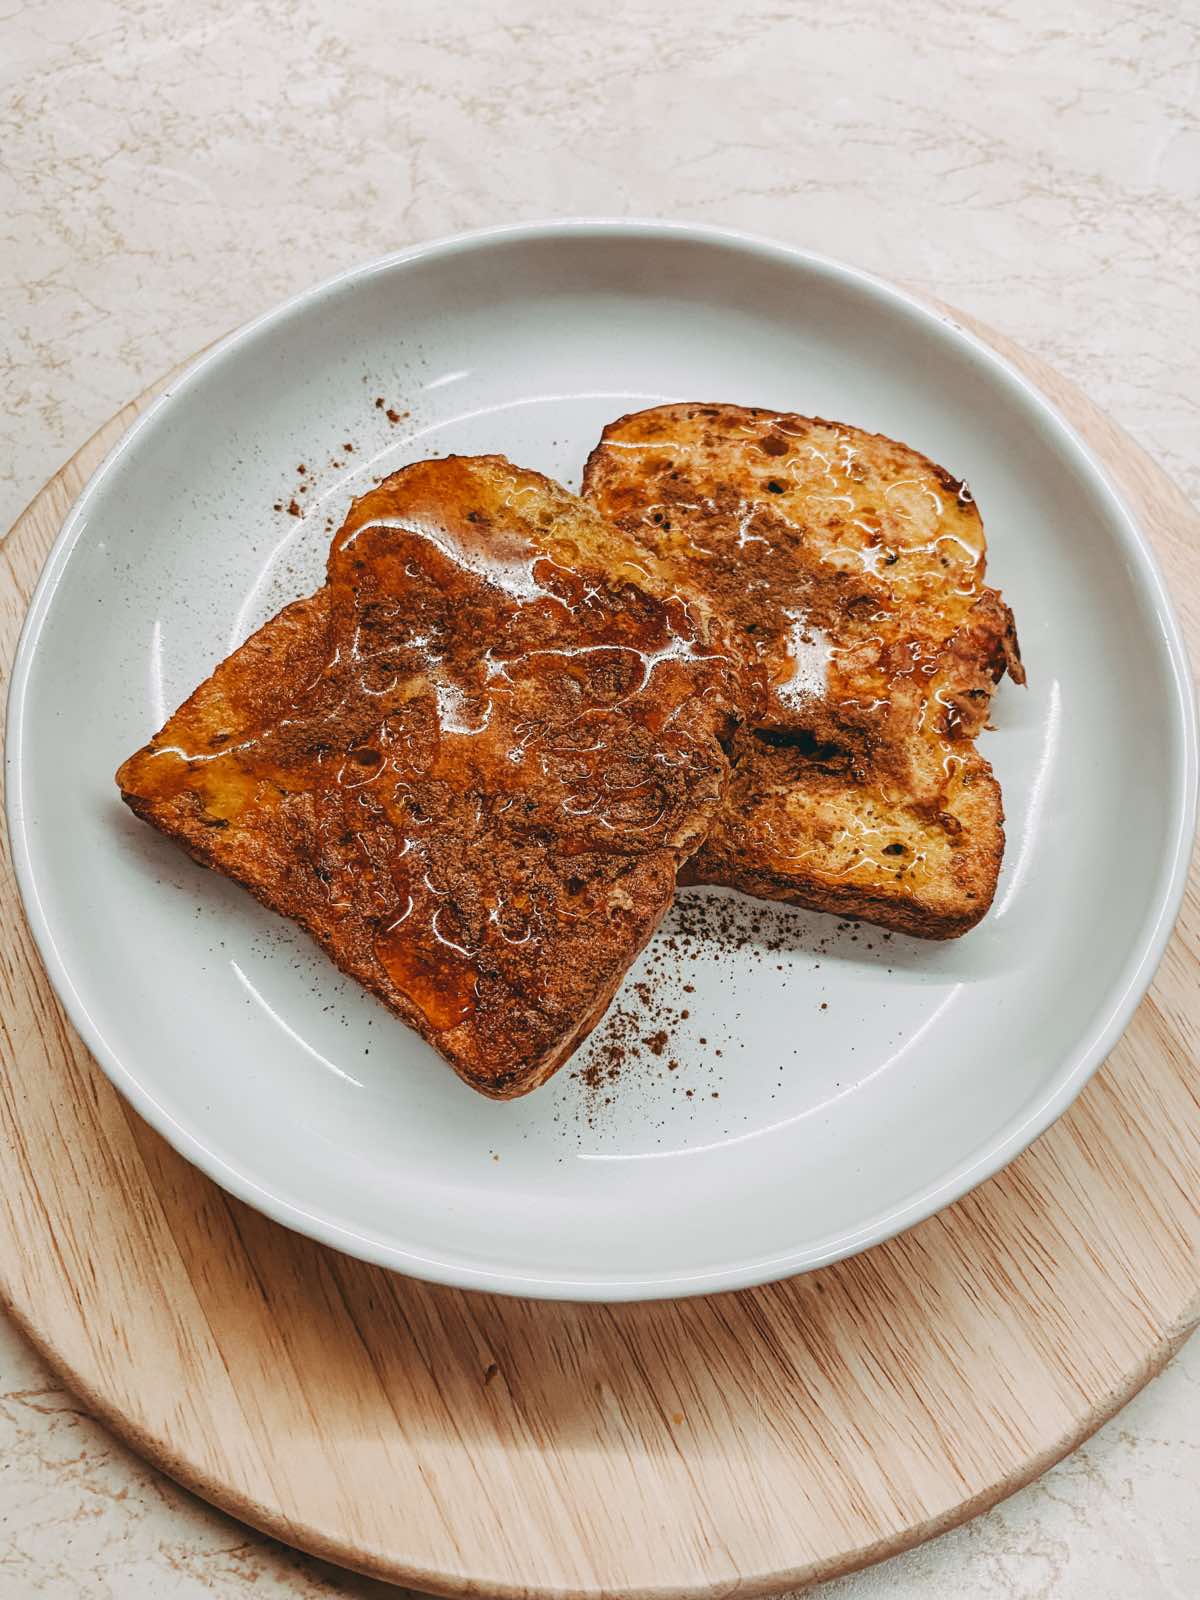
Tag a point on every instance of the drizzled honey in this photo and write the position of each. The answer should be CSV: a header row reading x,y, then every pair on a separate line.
x,y
851,570
495,707
848,582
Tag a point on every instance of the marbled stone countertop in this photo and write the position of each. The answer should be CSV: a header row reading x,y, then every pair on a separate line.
x,y
168,169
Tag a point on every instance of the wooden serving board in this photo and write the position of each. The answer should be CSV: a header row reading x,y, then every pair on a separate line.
x,y
471,1445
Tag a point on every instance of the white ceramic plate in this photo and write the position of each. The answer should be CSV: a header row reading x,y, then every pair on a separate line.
x,y
831,1086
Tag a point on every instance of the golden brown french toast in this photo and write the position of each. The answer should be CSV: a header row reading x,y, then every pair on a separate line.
x,y
851,568
469,766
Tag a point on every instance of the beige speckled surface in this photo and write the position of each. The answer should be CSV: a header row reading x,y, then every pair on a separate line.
x,y
166,170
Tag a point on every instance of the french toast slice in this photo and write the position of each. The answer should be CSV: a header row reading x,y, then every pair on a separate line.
x,y
469,766
851,569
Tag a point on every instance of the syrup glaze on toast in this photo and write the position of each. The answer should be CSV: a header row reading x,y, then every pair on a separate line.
x,y
851,568
469,766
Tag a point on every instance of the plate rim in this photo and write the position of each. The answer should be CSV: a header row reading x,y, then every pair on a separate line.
x,y
1078,1065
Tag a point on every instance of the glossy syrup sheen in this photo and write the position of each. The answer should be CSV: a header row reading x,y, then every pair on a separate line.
x,y
847,561
853,569
493,717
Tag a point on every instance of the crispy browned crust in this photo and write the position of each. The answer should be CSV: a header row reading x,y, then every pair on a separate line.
x,y
469,766
851,569
738,853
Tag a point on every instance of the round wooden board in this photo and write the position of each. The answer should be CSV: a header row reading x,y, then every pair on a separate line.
x,y
465,1444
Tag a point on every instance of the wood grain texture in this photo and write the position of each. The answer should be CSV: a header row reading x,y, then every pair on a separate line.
x,y
475,1445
